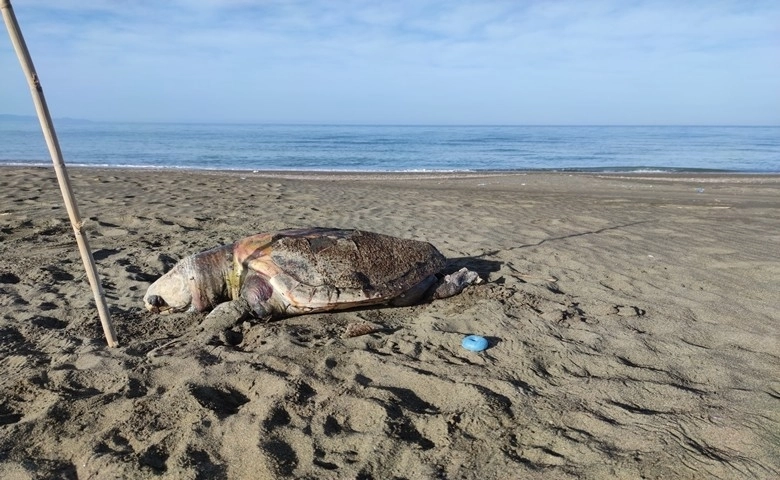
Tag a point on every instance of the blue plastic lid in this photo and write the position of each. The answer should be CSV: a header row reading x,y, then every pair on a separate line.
x,y
474,343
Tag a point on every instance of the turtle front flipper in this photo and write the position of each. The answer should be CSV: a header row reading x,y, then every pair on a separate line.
x,y
252,302
213,328
224,316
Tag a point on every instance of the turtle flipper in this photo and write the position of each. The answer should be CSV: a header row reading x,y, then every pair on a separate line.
x,y
454,283
224,316
414,295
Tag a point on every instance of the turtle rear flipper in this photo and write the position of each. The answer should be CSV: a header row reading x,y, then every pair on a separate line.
x,y
454,283
416,294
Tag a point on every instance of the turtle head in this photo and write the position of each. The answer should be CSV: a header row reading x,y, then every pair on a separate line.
x,y
196,284
170,293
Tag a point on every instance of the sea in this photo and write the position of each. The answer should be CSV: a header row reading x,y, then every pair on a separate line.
x,y
395,148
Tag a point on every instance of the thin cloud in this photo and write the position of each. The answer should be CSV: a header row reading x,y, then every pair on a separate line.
x,y
367,61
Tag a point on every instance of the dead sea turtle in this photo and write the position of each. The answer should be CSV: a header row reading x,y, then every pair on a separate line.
x,y
293,272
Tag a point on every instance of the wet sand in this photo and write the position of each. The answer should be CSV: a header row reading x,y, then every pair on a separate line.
x,y
633,322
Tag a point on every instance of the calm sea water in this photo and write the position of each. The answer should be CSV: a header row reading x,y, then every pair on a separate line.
x,y
396,148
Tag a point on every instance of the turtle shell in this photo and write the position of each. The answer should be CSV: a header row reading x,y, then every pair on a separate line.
x,y
322,269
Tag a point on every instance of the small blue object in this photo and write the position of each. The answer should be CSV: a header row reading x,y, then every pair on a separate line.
x,y
474,343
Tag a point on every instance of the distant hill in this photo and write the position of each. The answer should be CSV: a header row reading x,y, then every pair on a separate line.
x,y
4,117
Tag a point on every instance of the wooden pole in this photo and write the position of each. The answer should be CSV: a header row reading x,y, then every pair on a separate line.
x,y
59,167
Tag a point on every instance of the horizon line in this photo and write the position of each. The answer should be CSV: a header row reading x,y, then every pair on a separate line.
x,y
8,116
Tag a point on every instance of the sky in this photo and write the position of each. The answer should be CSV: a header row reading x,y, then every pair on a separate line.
x,y
494,62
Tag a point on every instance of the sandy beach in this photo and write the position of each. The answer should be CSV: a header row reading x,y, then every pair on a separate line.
x,y
633,320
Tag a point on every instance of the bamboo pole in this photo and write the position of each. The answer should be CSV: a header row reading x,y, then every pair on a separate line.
x,y
59,167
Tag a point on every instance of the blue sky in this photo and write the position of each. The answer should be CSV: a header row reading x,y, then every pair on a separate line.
x,y
402,62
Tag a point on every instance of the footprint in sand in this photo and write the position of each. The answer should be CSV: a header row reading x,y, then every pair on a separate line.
x,y
222,400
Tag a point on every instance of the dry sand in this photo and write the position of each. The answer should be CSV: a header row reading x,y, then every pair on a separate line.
x,y
633,322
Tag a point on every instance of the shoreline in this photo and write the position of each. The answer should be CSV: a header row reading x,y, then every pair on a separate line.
x,y
676,175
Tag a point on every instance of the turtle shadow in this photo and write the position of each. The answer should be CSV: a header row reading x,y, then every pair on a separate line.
x,y
480,265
